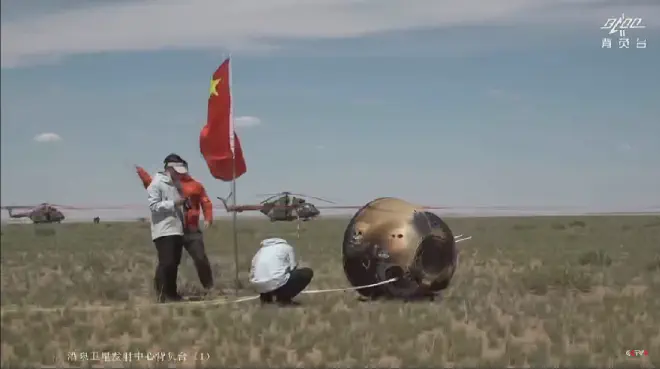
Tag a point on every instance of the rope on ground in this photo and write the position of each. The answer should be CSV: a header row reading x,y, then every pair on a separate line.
x,y
309,292
216,302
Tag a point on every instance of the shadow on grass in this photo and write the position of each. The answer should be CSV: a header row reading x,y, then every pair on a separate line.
x,y
575,224
595,258
653,224
523,227
544,280
654,266
540,281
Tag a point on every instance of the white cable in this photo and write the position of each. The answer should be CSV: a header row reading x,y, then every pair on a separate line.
x,y
350,288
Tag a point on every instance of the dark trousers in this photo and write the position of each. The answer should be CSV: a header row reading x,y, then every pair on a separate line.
x,y
193,242
298,280
169,250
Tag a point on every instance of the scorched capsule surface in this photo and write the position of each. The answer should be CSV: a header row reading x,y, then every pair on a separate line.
x,y
390,237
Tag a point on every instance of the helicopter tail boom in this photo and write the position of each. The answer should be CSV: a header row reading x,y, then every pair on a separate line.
x,y
237,208
10,210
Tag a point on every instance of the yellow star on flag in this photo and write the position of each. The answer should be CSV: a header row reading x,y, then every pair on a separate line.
x,y
214,86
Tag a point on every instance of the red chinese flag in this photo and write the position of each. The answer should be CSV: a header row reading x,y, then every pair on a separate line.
x,y
218,142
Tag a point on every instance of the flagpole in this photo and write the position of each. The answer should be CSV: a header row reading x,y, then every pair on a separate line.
x,y
237,282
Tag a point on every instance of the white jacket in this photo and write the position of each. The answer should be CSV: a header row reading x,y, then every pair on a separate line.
x,y
271,265
166,219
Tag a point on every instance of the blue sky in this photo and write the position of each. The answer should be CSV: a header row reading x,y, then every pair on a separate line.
x,y
515,104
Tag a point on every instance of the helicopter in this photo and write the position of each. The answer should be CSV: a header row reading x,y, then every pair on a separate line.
x,y
280,207
42,213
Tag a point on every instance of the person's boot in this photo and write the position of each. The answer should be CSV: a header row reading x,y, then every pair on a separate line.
x,y
170,294
171,288
207,290
169,298
205,276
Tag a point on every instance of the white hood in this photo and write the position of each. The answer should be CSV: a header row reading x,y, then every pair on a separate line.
x,y
162,178
272,265
272,241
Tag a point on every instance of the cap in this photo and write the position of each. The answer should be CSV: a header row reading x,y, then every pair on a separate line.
x,y
173,158
175,162
178,167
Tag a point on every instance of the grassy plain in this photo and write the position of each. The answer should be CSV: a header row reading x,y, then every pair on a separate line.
x,y
536,292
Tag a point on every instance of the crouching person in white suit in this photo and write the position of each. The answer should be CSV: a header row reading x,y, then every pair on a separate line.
x,y
275,274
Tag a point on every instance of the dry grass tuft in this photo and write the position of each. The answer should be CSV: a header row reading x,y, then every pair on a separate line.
x,y
529,292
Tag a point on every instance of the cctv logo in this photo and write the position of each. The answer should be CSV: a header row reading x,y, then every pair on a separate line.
x,y
621,24
637,353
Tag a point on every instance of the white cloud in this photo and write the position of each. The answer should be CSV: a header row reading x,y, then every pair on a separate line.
x,y
47,137
320,147
257,25
246,121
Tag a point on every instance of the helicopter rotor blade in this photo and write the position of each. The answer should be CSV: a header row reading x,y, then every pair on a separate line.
x,y
287,193
283,193
270,198
17,207
313,197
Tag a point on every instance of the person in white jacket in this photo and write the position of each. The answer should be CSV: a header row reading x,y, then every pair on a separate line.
x,y
275,274
166,205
